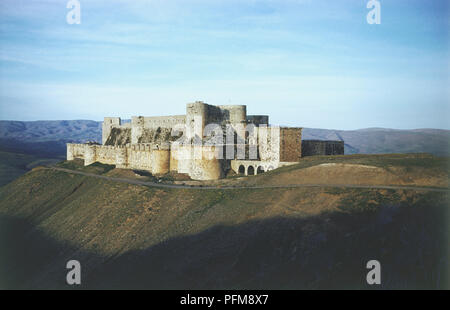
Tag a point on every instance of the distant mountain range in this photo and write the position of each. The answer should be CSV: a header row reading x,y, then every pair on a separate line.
x,y
384,140
48,138
39,131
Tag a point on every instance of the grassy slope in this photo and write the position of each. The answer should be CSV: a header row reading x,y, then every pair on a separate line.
x,y
13,165
381,160
133,236
411,169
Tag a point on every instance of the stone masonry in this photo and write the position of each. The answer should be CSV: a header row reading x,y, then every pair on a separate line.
x,y
205,143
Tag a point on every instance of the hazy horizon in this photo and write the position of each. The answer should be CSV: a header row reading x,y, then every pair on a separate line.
x,y
318,128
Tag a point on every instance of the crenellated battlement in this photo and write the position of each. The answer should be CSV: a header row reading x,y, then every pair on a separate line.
x,y
204,143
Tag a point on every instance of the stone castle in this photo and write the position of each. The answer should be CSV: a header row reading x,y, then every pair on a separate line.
x,y
205,143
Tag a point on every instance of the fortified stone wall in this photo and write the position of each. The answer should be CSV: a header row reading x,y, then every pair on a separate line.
x,y
269,144
160,159
154,158
105,154
258,119
234,114
195,119
109,123
322,147
148,143
208,167
118,136
163,121
181,158
213,115
143,129
140,156
75,150
290,144
137,128
279,144
200,114
122,157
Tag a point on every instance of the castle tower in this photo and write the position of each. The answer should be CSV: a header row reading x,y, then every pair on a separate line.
x,y
160,158
208,167
137,128
89,154
108,124
195,119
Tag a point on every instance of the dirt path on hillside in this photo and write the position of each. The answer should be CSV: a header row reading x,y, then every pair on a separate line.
x,y
357,174
162,185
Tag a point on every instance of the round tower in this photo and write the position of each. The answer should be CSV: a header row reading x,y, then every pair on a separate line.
x,y
209,167
160,158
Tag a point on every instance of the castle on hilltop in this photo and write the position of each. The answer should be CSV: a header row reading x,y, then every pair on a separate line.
x,y
205,143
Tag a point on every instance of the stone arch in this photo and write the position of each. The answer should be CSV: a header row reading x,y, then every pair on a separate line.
x,y
241,169
259,170
250,170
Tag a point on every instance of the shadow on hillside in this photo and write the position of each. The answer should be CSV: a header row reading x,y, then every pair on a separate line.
x,y
45,149
31,260
329,251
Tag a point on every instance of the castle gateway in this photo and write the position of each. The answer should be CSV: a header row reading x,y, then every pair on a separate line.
x,y
205,143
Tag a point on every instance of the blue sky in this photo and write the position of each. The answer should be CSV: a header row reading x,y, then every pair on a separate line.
x,y
309,63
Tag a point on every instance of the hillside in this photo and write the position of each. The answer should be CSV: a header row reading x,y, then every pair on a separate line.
x,y
13,165
23,145
380,169
132,236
